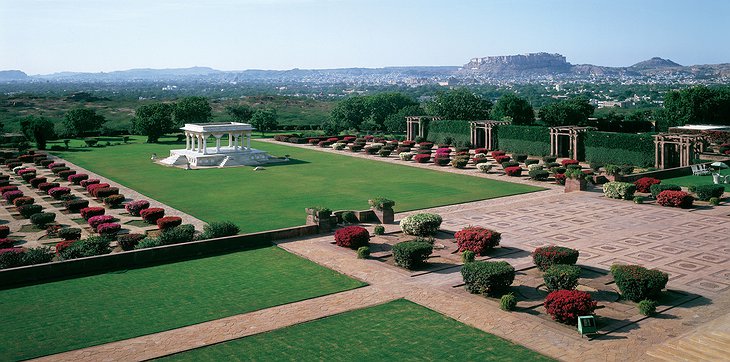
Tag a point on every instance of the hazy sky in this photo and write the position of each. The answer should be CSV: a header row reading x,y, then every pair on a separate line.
x,y
44,36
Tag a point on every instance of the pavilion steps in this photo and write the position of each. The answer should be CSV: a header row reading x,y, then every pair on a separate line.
x,y
699,346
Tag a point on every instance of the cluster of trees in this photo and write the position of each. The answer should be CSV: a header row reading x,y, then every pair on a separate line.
x,y
262,119
574,111
697,105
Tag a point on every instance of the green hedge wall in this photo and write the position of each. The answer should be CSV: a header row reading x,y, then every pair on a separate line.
x,y
459,131
619,148
531,140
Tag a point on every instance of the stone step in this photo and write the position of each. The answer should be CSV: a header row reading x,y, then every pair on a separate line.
x,y
708,339
662,355
671,353
707,351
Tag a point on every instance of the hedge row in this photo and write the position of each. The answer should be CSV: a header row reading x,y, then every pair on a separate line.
x,y
619,148
529,140
458,131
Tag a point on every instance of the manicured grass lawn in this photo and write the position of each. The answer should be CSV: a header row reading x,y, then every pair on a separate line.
x,y
76,313
692,180
395,331
276,197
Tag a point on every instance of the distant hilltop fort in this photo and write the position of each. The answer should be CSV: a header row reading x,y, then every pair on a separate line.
x,y
505,63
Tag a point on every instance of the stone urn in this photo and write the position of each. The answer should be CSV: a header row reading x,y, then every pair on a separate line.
x,y
572,184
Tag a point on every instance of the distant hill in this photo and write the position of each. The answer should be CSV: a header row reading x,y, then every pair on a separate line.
x,y
655,63
12,75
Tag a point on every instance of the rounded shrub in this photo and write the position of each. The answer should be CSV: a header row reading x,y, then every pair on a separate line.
x,y
95,221
513,171
45,186
405,156
150,215
487,277
411,254
4,231
644,184
656,189
58,192
619,190
177,234
647,307
94,245
561,276
69,233
134,207
167,222
484,166
565,306
34,182
41,219
129,241
477,239
352,237
27,210
531,161
546,256
468,256
108,229
349,217
9,196
77,178
705,192
23,200
6,243
114,200
637,283
103,192
423,224
219,229
89,212
714,201
539,175
87,182
379,230
508,302
422,158
148,243
671,198
11,257
567,162
363,252
638,199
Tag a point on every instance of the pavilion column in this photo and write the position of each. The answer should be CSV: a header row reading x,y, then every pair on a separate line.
x,y
200,143
248,140
218,142
187,141
235,142
194,141
230,139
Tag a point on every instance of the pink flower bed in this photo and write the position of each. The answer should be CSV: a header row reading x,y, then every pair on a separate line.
x,y
89,212
58,192
134,207
95,221
111,228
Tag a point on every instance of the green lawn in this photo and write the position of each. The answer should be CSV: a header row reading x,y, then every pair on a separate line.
x,y
276,197
54,317
395,331
692,180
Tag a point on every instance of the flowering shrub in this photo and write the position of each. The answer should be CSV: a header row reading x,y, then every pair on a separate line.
x,y
45,186
65,174
12,195
95,245
479,158
443,150
422,158
58,192
89,212
57,170
477,239
55,164
496,154
637,283
561,276
87,182
487,277
129,241
4,231
501,159
102,192
109,229
411,254
546,256
95,221
569,161
151,214
23,171
460,161
425,145
114,200
513,171
338,146
619,190
421,224
34,182
90,188
644,184
6,243
5,189
441,159
352,237
481,150
565,306
405,156
27,210
134,207
77,178
675,199
23,200
167,222
534,166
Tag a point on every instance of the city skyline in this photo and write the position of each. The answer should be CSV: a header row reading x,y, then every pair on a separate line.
x,y
43,36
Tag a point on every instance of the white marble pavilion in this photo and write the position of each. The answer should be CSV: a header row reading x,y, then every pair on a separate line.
x,y
237,152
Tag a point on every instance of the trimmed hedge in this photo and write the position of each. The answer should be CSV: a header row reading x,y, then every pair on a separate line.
x,y
411,254
547,256
151,214
458,131
637,283
656,189
561,276
531,140
477,239
219,229
42,218
619,148
27,210
619,190
352,237
487,277
705,192
565,306
421,224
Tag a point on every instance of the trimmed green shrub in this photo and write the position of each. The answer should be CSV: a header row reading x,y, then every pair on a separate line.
x,y
349,217
411,254
381,203
363,252
705,192
619,148
178,234
714,201
379,230
547,256
69,233
42,218
37,255
647,307
637,283
561,276
468,256
638,199
508,302
27,210
487,277
539,175
421,224
129,241
619,190
440,131
658,188
531,140
95,245
531,161
219,229
11,258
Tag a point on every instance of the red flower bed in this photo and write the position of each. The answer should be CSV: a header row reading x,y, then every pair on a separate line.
x,y
102,192
501,159
58,192
12,195
477,239
352,237
481,150
21,172
167,222
349,138
675,199
313,141
91,181
559,178
95,221
45,186
111,228
422,158
4,231
134,207
333,139
5,189
513,171
61,246
152,214
643,184
55,164
77,178
496,154
23,200
34,182
567,305
89,212
90,189
6,243
569,161
444,150
477,160
408,143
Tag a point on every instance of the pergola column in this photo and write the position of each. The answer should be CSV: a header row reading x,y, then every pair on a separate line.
x,y
248,140
217,142
235,141
187,141
205,143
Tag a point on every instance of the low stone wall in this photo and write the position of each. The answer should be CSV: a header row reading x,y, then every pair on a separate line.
x,y
145,257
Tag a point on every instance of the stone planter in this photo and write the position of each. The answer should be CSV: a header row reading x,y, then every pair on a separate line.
x,y
572,185
385,216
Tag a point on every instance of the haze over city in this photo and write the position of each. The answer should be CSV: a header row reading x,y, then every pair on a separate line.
x,y
43,36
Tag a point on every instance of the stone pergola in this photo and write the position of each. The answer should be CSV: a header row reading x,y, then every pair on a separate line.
x,y
197,134
482,135
416,126
676,149
558,137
